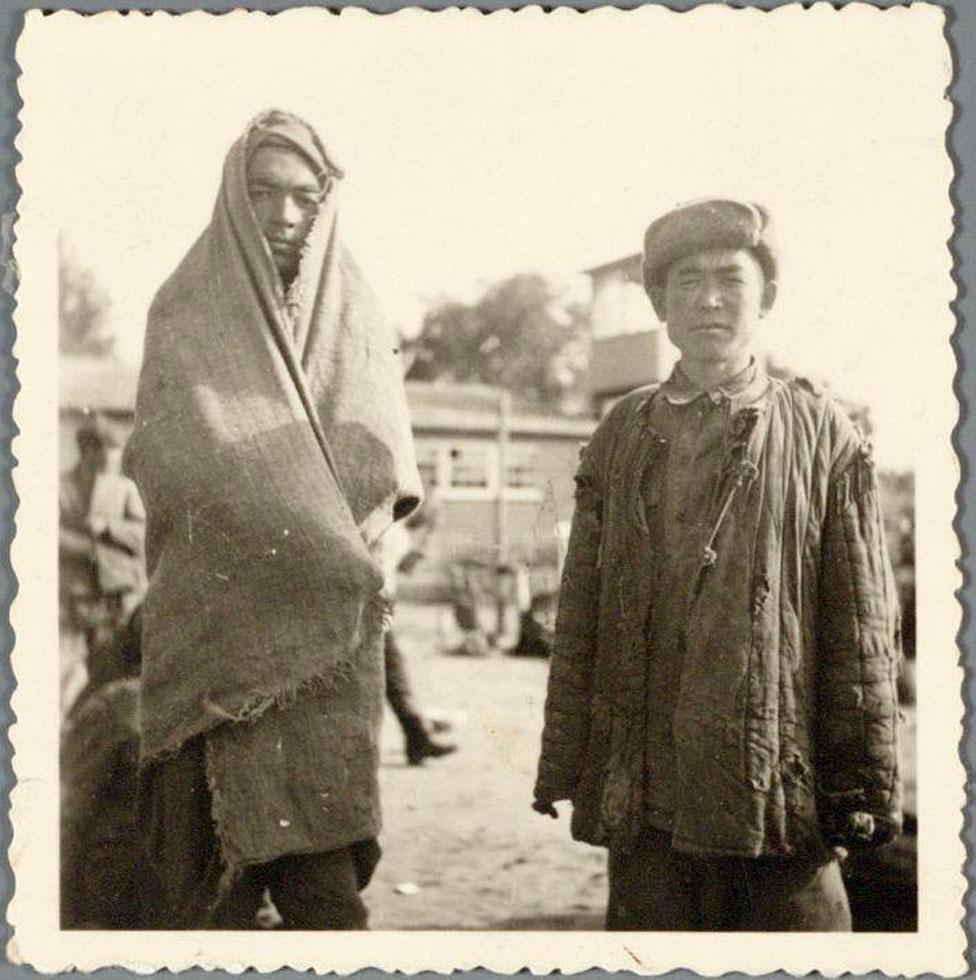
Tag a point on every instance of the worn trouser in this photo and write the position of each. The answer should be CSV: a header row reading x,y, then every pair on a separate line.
x,y
398,691
93,622
655,887
310,891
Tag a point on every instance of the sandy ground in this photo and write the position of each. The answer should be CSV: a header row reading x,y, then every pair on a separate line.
x,y
462,847
464,850
459,832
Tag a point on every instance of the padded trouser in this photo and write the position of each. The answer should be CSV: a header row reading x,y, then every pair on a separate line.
x,y
310,891
655,887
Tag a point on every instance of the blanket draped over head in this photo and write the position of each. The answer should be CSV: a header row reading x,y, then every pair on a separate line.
x,y
272,447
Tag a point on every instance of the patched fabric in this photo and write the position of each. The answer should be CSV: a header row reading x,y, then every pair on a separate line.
x,y
304,776
727,635
683,503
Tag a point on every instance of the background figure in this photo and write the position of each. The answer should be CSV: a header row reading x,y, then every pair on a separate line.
x,y
417,730
538,626
401,547
513,600
107,879
101,551
467,599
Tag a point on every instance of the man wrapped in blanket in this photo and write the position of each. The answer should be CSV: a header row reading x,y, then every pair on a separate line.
x,y
272,449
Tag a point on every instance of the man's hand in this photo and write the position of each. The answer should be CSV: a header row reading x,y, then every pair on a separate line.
x,y
546,807
858,830
867,830
98,526
860,827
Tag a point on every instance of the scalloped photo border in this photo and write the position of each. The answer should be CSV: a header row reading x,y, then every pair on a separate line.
x,y
939,945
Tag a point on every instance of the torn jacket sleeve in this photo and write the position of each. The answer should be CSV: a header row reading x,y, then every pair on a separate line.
x,y
571,667
858,652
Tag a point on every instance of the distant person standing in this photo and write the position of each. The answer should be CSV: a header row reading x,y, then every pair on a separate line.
x,y
273,449
722,708
400,549
101,550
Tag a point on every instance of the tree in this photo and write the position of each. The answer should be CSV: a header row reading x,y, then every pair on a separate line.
x,y
518,335
82,310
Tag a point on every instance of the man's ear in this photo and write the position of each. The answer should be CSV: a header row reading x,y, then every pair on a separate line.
x,y
770,289
655,291
656,294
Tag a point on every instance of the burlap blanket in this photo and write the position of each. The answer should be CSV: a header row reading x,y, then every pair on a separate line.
x,y
272,447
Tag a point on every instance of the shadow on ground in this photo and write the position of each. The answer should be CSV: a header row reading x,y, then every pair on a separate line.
x,y
579,921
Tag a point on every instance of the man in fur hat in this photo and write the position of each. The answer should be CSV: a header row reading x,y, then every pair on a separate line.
x,y
721,708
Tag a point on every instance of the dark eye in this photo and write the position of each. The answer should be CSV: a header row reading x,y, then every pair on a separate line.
x,y
308,201
257,193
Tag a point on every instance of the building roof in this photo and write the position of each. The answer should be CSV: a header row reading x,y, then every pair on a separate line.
x,y
97,384
105,385
630,263
473,409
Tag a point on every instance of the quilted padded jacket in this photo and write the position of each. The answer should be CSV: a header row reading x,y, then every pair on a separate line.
x,y
785,726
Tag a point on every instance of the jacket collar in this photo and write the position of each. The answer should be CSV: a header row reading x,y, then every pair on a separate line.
x,y
743,389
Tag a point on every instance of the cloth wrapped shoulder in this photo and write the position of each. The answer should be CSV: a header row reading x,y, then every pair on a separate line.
x,y
272,447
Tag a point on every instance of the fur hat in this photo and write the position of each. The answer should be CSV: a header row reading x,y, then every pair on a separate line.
x,y
707,223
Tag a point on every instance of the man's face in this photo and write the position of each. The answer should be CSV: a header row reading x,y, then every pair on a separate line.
x,y
285,195
93,454
712,301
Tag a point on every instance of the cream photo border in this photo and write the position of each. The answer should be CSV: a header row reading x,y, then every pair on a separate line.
x,y
938,945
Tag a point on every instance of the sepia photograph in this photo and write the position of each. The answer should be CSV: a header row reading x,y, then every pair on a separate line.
x,y
504,485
